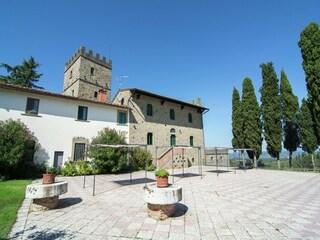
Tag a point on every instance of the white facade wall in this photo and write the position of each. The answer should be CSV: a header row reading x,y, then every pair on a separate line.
x,y
56,124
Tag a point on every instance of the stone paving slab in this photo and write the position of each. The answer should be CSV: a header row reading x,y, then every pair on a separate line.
x,y
252,204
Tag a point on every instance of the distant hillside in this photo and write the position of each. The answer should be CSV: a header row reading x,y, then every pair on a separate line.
x,y
265,155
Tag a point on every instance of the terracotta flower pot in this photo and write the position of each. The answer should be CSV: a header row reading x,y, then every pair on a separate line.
x,y
48,178
162,182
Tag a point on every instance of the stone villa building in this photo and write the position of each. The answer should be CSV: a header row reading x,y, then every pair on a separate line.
x,y
85,107
162,122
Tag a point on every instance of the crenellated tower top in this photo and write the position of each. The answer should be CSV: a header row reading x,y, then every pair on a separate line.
x,y
89,56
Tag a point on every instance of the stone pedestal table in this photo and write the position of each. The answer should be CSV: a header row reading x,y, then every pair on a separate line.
x,y
45,196
161,201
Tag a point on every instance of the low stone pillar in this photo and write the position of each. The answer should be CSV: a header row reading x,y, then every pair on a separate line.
x,y
162,201
45,196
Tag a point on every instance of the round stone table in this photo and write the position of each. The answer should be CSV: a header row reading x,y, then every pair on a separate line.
x,y
45,196
161,201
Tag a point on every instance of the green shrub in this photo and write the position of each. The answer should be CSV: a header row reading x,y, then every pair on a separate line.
x,y
151,167
107,159
141,158
17,144
76,168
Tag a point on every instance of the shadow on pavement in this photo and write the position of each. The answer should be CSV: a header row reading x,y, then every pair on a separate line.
x,y
67,202
181,210
134,181
185,175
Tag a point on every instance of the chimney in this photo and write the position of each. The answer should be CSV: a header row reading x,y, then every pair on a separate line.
x,y
102,96
198,102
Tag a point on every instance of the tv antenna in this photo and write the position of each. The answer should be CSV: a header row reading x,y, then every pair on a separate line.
x,y
120,79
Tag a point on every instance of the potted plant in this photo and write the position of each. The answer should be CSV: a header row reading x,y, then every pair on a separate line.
x,y
162,178
49,176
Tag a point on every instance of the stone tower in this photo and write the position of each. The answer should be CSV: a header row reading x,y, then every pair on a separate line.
x,y
87,76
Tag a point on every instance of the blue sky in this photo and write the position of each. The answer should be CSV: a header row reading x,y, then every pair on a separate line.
x,y
180,49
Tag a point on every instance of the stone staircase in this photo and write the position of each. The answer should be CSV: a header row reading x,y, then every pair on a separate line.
x,y
165,160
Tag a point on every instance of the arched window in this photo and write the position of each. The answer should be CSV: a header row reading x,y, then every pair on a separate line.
x,y
173,140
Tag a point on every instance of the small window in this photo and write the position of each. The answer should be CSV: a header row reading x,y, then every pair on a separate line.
x,y
79,151
32,106
95,95
191,141
173,140
190,117
172,117
149,110
122,101
82,113
92,71
122,117
72,92
149,138
70,74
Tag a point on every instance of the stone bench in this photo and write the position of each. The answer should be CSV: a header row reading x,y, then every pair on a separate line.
x,y
162,201
45,196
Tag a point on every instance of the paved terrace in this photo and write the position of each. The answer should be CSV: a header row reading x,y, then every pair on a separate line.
x,y
256,204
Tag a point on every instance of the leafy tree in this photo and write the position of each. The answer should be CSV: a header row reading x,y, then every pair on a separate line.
x,y
310,49
306,129
24,75
16,150
252,125
237,122
289,109
271,112
108,159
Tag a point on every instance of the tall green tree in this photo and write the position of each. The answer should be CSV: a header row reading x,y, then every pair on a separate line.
x,y
289,109
271,112
252,125
306,130
310,49
25,75
237,122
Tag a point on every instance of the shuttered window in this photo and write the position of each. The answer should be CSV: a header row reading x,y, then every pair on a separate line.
x,y
122,117
172,115
149,110
82,113
149,139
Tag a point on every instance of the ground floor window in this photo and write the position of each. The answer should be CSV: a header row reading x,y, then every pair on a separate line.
x,y
79,151
58,159
173,140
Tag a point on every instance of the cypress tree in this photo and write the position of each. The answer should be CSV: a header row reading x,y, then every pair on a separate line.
x,y
252,125
310,50
270,109
237,122
306,129
289,109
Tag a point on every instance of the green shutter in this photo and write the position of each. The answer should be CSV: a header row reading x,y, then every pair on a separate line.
x,y
82,113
